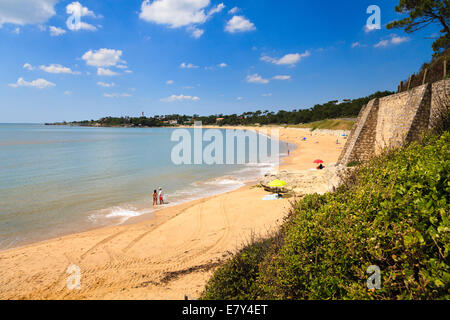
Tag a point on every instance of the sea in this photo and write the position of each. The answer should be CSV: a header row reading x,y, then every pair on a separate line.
x,y
58,180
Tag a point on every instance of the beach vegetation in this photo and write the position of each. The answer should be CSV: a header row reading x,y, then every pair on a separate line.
x,y
352,164
330,124
391,212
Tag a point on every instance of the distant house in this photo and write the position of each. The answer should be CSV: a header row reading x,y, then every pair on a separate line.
x,y
220,119
173,122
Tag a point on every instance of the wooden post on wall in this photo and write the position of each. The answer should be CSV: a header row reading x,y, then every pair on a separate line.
x,y
424,76
445,68
409,82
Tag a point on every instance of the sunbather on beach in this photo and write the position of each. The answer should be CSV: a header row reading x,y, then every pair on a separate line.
x,y
161,196
155,198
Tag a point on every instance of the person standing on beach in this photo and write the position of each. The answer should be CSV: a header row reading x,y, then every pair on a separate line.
x,y
161,196
155,198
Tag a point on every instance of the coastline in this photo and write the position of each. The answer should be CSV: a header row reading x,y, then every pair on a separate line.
x,y
149,258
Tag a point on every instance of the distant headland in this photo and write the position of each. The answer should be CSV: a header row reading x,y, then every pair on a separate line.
x,y
346,109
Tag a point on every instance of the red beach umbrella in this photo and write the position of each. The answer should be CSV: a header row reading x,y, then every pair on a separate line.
x,y
318,161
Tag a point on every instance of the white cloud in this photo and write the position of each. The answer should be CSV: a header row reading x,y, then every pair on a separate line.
x,y
55,31
234,10
239,98
106,72
181,97
179,13
216,9
356,44
370,28
39,83
83,26
28,66
57,68
195,32
239,24
185,65
256,78
281,77
382,43
106,84
116,95
397,40
170,82
393,41
289,59
68,93
103,57
24,12
223,65
76,9
266,94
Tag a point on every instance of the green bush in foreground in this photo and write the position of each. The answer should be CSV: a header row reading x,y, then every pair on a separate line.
x,y
393,212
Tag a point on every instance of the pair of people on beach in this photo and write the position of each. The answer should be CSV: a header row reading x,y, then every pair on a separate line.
x,y
158,196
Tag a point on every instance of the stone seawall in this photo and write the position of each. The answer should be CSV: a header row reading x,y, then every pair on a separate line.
x,y
392,121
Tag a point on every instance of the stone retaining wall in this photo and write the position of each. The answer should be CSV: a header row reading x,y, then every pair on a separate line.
x,y
392,121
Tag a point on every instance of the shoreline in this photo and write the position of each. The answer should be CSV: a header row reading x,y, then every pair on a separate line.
x,y
150,212
155,241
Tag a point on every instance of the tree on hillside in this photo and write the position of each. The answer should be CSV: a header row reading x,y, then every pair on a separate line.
x,y
423,13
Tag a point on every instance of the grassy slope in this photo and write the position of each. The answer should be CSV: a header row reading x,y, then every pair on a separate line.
x,y
332,124
392,212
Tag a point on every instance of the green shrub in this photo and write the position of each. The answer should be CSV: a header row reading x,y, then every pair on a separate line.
x,y
394,215
353,164
236,279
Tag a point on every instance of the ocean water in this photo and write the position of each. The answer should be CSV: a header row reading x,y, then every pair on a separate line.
x,y
56,180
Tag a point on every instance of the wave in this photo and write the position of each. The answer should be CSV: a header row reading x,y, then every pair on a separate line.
x,y
227,180
118,213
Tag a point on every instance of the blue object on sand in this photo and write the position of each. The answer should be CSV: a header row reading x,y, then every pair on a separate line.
x,y
270,197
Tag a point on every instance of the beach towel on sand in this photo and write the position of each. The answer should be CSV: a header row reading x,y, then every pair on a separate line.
x,y
270,197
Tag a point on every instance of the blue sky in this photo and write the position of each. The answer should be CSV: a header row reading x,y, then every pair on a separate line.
x,y
124,57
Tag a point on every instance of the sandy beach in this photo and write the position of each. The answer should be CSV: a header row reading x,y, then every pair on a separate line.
x,y
166,257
